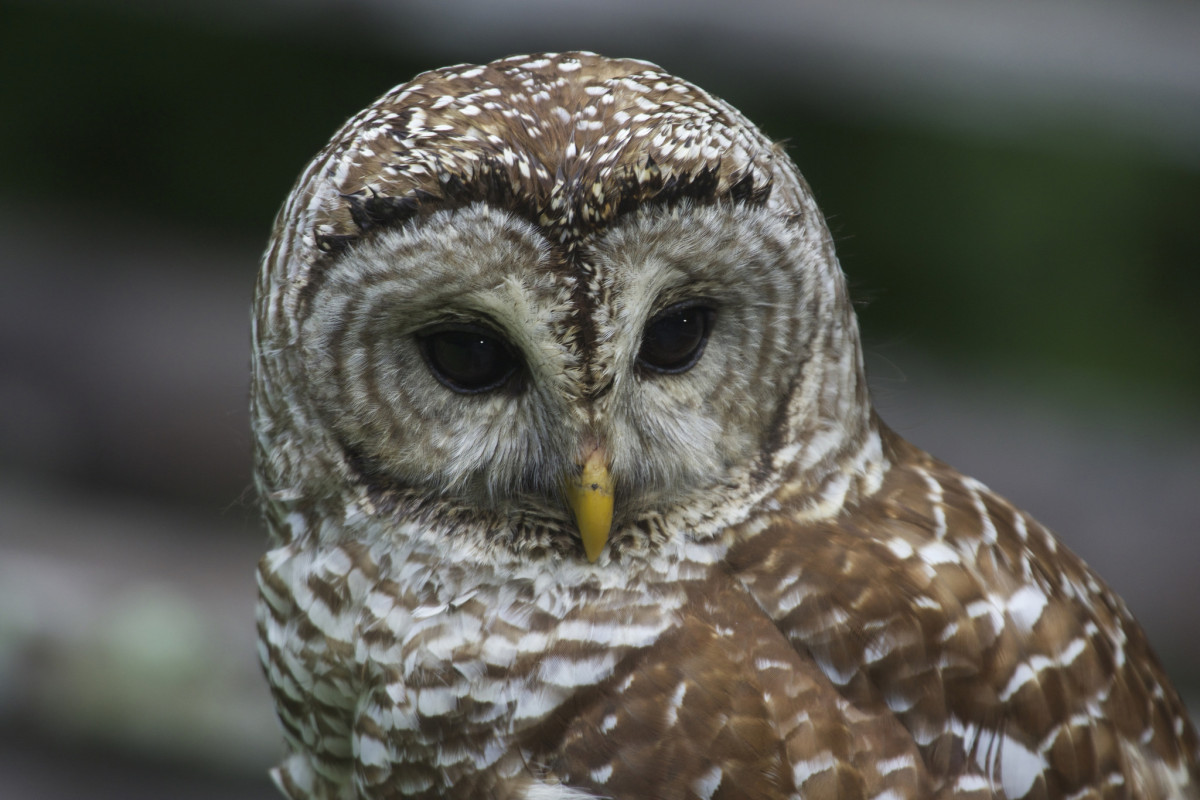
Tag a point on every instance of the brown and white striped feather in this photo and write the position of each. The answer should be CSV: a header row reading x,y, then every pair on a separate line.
x,y
1015,670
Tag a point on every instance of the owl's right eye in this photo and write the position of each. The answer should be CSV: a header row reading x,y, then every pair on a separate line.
x,y
674,340
468,359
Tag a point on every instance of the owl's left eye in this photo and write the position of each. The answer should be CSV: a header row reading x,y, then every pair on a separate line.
x,y
468,358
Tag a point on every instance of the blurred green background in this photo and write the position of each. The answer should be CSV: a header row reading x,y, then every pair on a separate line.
x,y
1014,188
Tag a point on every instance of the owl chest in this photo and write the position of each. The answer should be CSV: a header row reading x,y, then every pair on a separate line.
x,y
440,678
493,658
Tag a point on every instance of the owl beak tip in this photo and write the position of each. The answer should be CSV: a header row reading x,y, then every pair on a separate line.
x,y
591,498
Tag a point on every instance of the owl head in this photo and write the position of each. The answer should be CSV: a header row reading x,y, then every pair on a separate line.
x,y
556,306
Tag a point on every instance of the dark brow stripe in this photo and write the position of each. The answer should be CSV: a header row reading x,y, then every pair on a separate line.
x,y
493,184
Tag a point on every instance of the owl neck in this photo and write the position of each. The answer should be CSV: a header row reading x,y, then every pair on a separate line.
x,y
830,453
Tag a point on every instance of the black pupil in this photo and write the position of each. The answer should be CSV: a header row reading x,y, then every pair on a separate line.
x,y
468,360
674,340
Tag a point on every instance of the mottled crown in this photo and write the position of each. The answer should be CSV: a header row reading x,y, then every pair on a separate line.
x,y
567,141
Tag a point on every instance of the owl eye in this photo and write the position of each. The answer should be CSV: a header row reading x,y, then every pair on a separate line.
x,y
468,358
674,340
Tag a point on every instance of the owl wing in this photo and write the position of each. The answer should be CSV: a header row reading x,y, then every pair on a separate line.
x,y
723,706
1009,663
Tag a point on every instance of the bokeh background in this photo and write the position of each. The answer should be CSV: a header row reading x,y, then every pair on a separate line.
x,y
1014,187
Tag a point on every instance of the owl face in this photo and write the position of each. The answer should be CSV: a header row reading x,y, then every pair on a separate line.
x,y
487,306
468,357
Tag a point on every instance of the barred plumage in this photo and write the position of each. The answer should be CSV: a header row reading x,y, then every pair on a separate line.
x,y
498,276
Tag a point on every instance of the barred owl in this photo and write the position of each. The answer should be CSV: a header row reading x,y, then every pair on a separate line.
x,y
575,489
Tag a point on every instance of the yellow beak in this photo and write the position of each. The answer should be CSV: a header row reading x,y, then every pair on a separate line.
x,y
591,499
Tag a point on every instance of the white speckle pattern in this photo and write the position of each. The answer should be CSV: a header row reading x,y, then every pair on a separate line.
x,y
804,771
706,785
